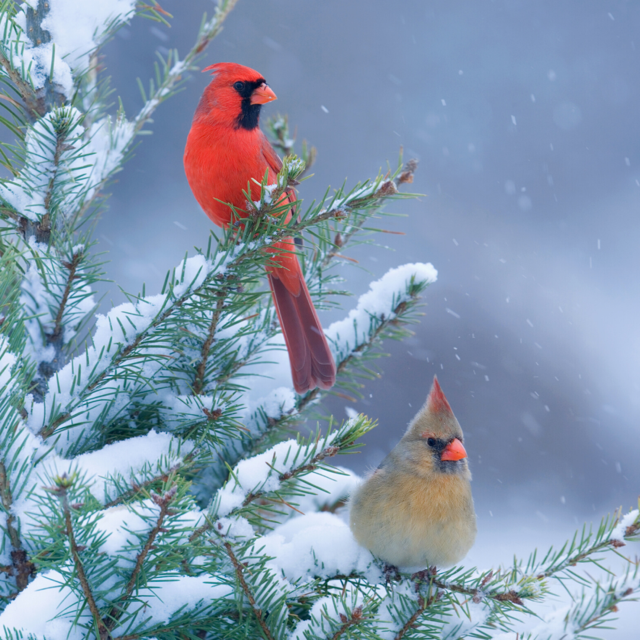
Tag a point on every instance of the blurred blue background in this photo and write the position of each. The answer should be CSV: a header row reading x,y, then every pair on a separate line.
x,y
524,116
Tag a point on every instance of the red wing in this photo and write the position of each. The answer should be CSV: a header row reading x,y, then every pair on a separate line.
x,y
270,155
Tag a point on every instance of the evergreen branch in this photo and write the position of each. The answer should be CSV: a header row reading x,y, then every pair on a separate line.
x,y
342,367
291,463
266,218
247,591
43,229
211,28
272,230
208,31
604,607
62,123
484,591
355,618
120,356
21,567
423,604
62,485
403,176
278,128
281,139
164,502
310,466
49,97
479,594
198,384
144,487
26,90
72,268
585,555
13,214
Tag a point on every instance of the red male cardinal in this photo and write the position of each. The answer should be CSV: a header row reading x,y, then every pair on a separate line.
x,y
416,509
226,150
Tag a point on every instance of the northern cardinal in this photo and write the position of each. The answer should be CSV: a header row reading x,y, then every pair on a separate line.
x,y
416,509
226,151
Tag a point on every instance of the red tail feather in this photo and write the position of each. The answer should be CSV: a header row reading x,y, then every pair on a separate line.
x,y
312,364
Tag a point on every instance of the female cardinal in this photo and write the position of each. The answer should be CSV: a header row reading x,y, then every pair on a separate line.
x,y
226,151
416,509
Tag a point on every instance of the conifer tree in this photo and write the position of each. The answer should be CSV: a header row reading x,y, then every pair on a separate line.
x,y
145,491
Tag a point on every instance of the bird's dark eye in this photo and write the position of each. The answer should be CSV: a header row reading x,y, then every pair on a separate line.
x,y
238,86
431,442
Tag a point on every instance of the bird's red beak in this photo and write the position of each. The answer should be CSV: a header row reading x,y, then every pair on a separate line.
x,y
454,451
263,94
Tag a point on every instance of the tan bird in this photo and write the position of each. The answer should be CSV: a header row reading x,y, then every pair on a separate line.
x,y
416,510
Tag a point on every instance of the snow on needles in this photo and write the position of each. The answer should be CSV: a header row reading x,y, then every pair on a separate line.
x,y
626,521
42,173
258,474
118,329
45,607
70,177
77,28
305,546
383,297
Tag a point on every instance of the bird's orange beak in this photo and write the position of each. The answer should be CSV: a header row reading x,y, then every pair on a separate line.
x,y
454,451
263,94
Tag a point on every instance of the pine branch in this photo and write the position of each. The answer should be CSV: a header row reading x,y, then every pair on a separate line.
x,y
402,176
208,31
303,469
49,430
49,97
503,581
27,93
283,140
144,488
288,464
55,338
198,384
21,567
164,502
348,622
72,267
63,483
607,606
239,571
354,357
585,555
423,605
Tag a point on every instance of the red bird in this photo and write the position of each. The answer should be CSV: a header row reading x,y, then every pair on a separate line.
x,y
226,150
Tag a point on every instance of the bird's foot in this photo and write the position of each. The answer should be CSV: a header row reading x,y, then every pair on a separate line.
x,y
391,573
